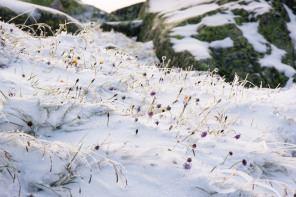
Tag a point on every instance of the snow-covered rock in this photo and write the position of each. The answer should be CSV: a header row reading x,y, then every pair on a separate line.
x,y
184,30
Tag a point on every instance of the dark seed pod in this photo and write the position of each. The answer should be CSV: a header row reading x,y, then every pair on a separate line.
x,y
29,123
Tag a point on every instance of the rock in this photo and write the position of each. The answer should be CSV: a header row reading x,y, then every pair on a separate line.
x,y
129,28
77,9
56,4
26,14
242,57
128,13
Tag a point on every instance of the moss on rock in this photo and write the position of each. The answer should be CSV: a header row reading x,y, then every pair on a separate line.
x,y
128,13
52,19
129,28
274,29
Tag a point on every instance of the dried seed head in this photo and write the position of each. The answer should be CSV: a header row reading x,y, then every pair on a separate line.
x,y
244,162
29,123
189,160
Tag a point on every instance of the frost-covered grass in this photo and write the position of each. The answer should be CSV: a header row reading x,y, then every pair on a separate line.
x,y
80,119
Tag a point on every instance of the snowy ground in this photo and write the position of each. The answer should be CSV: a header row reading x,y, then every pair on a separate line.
x,y
107,124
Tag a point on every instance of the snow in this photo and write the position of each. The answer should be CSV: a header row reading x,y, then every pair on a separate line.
x,y
227,42
166,6
197,48
191,12
111,5
200,49
80,99
291,25
250,31
255,7
177,11
274,60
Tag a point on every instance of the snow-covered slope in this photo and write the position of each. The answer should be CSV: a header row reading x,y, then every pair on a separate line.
x,y
77,118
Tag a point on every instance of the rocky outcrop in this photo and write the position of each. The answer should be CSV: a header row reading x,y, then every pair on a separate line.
x,y
247,38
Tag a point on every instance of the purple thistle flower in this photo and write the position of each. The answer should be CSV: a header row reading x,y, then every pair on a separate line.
x,y
11,30
244,162
204,134
152,93
158,106
187,166
150,114
138,109
237,136
230,153
157,122
111,88
48,62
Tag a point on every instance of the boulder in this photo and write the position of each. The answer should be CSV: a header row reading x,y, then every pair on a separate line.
x,y
129,28
128,13
247,38
37,19
56,4
76,9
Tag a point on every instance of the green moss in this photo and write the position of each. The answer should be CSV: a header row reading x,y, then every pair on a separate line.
x,y
209,34
242,16
53,20
280,10
146,32
198,19
241,59
221,2
128,13
128,28
274,29
178,37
